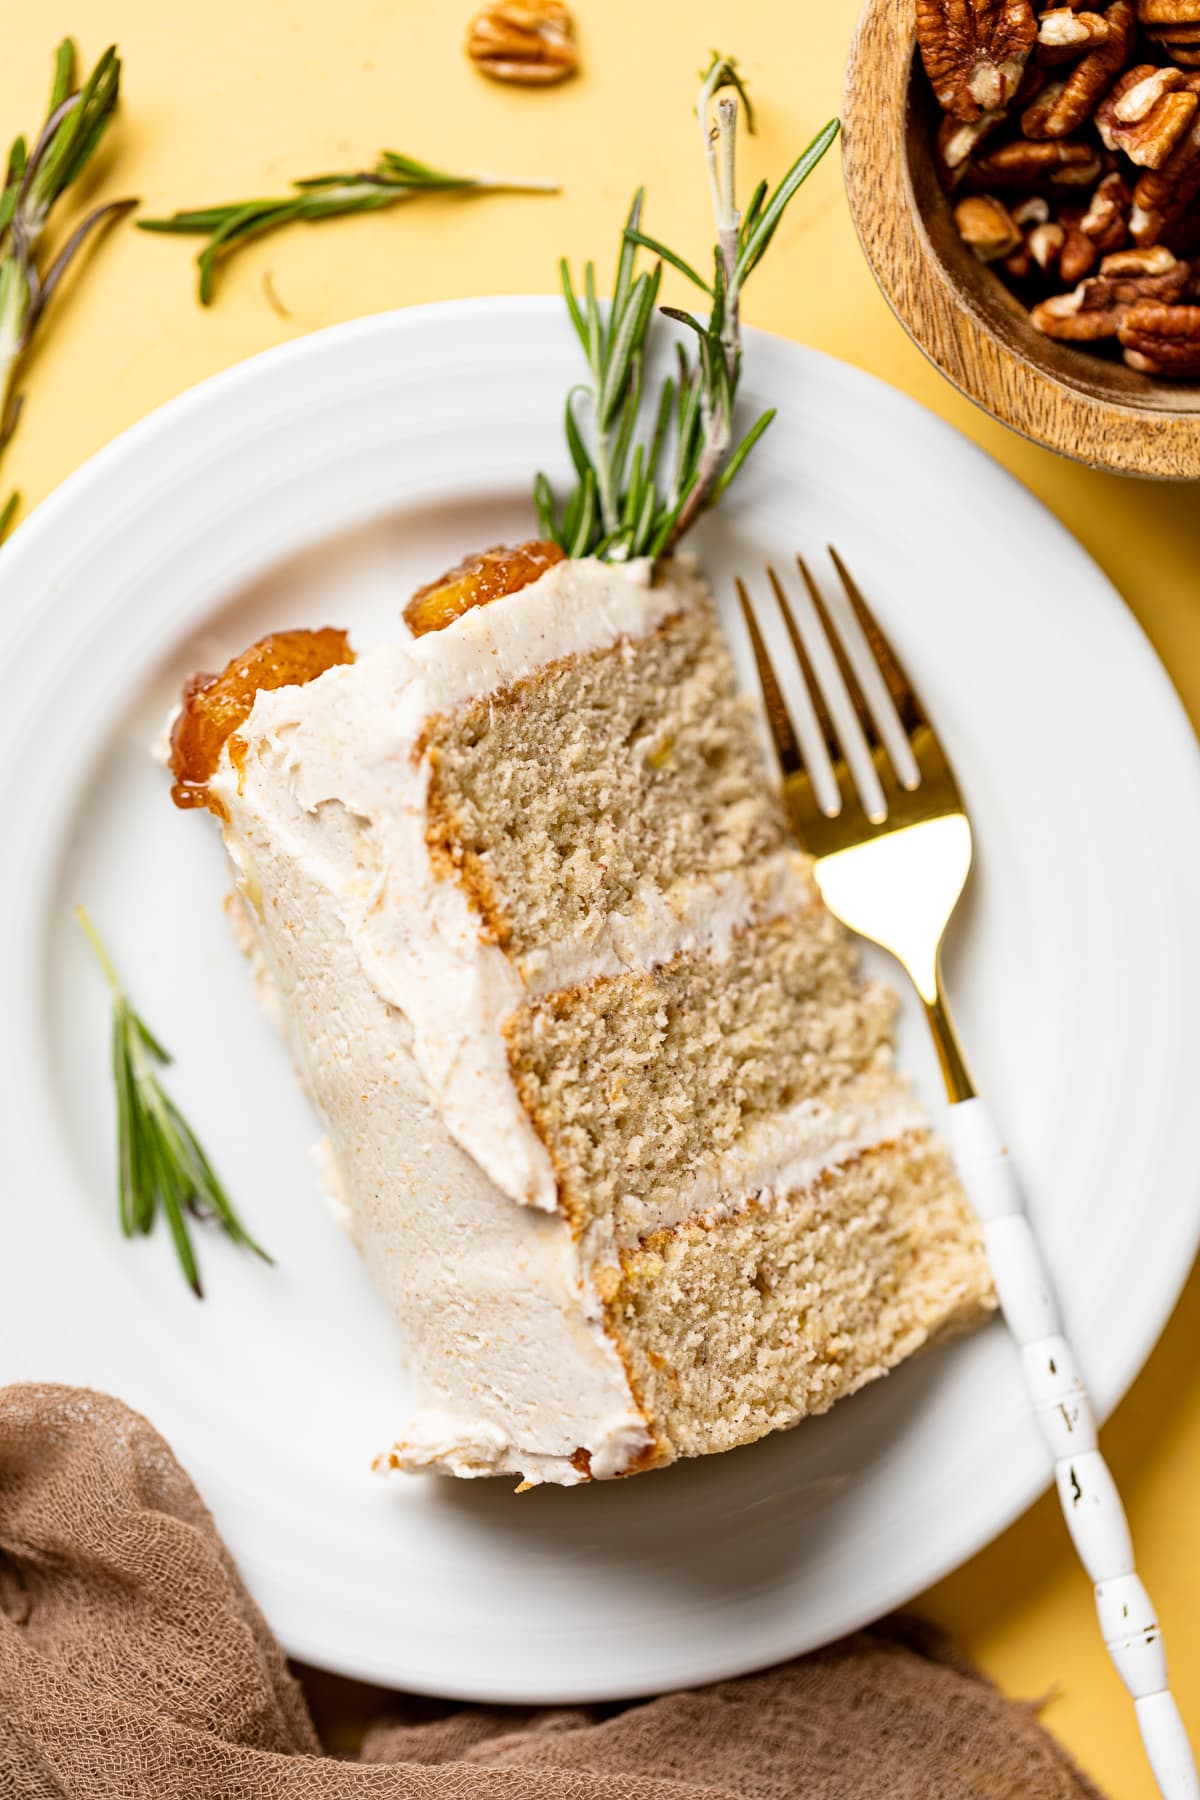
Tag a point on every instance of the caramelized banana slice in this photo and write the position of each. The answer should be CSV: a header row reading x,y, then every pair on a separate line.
x,y
215,705
478,579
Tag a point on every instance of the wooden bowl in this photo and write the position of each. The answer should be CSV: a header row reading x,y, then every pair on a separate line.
x,y
960,312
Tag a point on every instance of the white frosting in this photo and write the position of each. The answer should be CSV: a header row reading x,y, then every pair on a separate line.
x,y
499,1328
780,1156
393,1006
331,776
657,927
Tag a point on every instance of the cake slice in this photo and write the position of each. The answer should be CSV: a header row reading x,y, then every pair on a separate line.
x,y
609,1110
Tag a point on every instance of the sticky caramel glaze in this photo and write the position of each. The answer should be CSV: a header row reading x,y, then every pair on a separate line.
x,y
214,706
488,575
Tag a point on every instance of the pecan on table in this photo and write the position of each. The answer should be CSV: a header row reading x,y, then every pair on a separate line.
x,y
1097,308
975,52
1161,339
530,42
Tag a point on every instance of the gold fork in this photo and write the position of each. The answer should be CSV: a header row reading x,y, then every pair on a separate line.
x,y
873,800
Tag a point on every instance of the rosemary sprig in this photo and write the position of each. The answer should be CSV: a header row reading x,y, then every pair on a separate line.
x,y
637,493
393,178
159,1160
34,180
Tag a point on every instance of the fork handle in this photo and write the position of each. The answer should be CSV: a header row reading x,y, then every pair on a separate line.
x,y
1090,1502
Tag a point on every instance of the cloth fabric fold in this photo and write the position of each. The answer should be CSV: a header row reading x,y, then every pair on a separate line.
x,y
133,1663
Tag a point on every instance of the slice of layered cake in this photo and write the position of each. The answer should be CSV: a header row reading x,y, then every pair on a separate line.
x,y
610,1113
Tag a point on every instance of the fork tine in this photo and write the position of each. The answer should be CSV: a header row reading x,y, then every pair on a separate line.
x,y
825,677
808,673
819,750
783,737
889,692
860,745
785,688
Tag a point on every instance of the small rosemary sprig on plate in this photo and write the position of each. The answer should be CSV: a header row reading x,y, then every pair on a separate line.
x,y
159,1160
393,178
636,495
33,181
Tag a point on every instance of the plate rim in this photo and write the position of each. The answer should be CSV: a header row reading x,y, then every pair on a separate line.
x,y
35,535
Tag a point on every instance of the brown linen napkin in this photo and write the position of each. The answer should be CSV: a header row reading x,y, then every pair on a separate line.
x,y
134,1664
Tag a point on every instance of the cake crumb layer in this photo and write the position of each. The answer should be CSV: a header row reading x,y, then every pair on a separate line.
x,y
734,1328
555,801
643,1085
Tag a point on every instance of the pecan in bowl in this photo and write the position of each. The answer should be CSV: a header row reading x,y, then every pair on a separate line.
x,y
1174,25
1069,146
975,52
971,227
1162,340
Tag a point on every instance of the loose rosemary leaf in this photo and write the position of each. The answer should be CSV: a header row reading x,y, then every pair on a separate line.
x,y
394,178
161,1166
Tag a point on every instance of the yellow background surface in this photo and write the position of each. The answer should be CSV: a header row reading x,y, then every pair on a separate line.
x,y
233,98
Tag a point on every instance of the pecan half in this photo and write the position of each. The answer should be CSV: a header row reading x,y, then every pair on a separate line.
x,y
1063,34
1146,114
1035,120
1045,244
1137,101
975,51
1026,167
1099,305
530,42
1106,221
1053,245
1175,25
1162,339
1162,196
957,143
986,226
1156,259
1028,215
1182,46
1079,255
1075,99
1106,112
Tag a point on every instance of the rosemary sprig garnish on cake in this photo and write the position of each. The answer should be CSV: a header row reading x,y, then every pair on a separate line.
x,y
34,180
393,178
160,1163
638,492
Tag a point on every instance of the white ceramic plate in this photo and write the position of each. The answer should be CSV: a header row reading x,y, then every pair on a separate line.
x,y
319,484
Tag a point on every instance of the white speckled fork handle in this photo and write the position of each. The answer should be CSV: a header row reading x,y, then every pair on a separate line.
x,y
1090,1502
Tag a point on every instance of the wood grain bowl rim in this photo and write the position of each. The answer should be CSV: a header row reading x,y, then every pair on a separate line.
x,y
960,314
